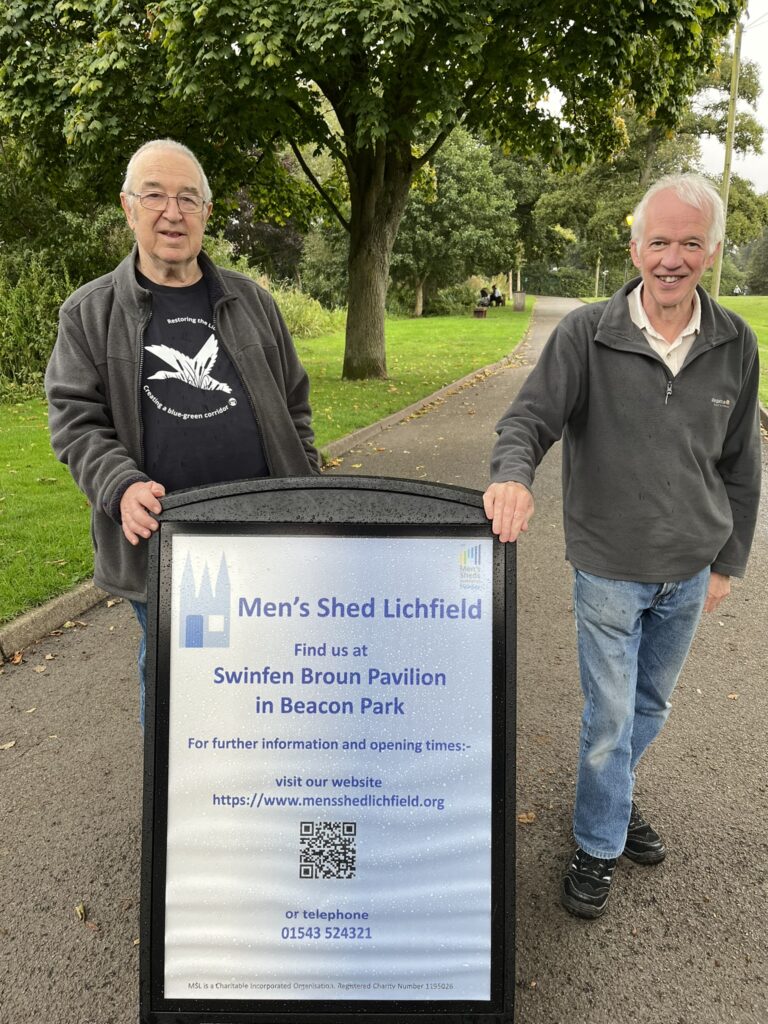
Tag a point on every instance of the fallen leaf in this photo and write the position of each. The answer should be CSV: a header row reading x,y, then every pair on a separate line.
x,y
8,745
17,658
136,942
357,465
39,668
55,632
733,696
113,601
50,657
29,711
69,624
526,817
80,912
92,925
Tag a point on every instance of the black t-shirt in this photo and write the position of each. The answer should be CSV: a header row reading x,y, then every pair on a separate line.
x,y
199,427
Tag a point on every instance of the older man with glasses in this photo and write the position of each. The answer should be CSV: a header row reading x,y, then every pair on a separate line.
x,y
170,372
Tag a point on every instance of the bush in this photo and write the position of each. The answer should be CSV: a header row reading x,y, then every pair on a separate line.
x,y
305,317
323,266
452,301
31,291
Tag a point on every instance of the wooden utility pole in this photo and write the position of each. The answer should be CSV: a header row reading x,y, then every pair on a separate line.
x,y
714,291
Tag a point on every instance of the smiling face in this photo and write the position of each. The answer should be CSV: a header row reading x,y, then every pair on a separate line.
x,y
671,256
168,241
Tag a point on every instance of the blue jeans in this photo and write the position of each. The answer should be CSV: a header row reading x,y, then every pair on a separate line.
x,y
140,608
633,639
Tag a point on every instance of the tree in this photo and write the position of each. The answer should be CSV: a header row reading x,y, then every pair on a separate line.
x,y
709,110
458,223
757,270
399,75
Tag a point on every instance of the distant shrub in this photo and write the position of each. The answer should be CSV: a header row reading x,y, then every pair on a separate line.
x,y
452,301
305,317
31,291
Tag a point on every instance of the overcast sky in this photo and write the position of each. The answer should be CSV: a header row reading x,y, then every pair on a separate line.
x,y
754,46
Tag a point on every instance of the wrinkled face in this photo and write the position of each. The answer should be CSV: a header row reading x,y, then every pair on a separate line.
x,y
672,254
169,241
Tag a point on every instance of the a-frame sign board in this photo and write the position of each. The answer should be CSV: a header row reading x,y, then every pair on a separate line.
x,y
329,762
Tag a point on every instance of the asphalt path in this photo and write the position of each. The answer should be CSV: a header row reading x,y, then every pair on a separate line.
x,y
684,942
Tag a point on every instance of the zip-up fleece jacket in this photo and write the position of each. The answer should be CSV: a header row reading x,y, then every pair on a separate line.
x,y
92,383
661,474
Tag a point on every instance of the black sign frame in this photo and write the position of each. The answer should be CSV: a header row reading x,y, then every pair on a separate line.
x,y
328,506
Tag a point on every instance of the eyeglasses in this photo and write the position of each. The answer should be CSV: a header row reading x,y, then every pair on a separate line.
x,y
186,201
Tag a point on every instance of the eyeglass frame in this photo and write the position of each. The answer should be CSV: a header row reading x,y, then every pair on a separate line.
x,y
168,198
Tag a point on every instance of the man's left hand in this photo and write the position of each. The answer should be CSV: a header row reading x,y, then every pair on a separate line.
x,y
719,589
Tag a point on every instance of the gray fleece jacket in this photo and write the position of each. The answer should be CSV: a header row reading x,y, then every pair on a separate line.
x,y
92,383
661,474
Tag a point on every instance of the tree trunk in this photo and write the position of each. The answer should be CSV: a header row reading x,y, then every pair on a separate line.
x,y
379,179
418,302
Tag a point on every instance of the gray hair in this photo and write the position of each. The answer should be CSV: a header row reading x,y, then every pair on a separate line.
x,y
166,144
694,190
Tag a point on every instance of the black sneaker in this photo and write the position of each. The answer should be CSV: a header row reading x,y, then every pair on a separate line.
x,y
644,844
587,884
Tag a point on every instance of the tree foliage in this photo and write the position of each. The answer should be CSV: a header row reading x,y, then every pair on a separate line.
x,y
460,224
757,270
235,78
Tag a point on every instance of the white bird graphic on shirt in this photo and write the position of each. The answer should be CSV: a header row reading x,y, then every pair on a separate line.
x,y
192,370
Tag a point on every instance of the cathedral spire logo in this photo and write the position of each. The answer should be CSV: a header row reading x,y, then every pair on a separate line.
x,y
204,611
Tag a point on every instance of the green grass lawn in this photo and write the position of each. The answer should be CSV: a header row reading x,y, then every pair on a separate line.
x,y
754,309
45,545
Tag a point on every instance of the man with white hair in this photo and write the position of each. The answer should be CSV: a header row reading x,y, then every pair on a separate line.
x,y
654,393
170,372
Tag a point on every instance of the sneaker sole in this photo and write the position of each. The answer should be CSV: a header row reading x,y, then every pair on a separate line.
x,y
579,909
647,857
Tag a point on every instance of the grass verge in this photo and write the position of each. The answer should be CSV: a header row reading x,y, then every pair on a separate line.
x,y
45,546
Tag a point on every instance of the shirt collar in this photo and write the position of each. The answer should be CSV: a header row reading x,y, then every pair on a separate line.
x,y
640,318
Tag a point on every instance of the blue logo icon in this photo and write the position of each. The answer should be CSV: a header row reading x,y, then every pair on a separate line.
x,y
204,613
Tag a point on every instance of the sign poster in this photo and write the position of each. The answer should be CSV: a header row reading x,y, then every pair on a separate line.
x,y
329,767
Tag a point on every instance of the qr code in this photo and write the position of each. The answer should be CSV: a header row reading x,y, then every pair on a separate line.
x,y
328,849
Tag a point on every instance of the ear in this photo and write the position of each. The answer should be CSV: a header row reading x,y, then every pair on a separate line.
x,y
207,212
713,255
126,203
634,252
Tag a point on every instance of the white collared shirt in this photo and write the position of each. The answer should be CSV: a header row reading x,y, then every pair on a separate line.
x,y
673,353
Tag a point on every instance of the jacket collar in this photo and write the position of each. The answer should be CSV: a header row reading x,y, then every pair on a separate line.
x,y
137,300
616,330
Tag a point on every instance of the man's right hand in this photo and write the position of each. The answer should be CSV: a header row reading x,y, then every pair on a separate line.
x,y
138,507
510,506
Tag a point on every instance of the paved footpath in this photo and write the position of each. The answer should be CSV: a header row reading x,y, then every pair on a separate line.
x,y
683,943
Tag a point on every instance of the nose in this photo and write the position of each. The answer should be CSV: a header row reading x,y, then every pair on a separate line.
x,y
673,255
172,209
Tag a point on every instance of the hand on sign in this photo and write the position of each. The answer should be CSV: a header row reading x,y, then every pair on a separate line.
x,y
138,507
510,507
